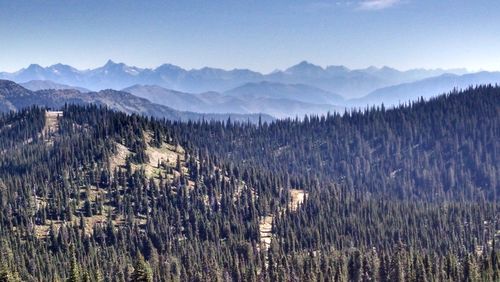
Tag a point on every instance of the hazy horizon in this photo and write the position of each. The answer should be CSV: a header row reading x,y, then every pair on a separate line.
x,y
239,68
258,35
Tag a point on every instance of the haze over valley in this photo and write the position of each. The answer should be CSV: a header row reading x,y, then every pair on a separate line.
x,y
299,90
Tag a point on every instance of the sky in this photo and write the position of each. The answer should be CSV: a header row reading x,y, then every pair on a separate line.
x,y
259,35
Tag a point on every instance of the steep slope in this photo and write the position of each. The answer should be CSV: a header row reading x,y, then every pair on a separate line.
x,y
385,148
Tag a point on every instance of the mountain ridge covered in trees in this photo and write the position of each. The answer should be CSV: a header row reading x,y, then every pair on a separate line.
x,y
404,194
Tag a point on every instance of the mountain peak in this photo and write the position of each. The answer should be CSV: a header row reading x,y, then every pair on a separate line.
x,y
304,67
307,64
370,69
57,68
58,65
110,63
337,69
34,67
304,63
114,68
169,67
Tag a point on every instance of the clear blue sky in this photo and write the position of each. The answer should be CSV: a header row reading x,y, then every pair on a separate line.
x,y
260,35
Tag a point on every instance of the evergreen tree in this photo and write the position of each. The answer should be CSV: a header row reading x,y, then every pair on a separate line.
x,y
142,271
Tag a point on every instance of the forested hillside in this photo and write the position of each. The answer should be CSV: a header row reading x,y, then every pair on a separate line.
x,y
406,194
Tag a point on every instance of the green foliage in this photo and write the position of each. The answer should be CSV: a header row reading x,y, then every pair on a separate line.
x,y
142,271
406,194
74,275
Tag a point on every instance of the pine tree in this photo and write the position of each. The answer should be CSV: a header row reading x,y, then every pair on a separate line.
x,y
396,270
74,275
470,270
142,270
5,275
355,266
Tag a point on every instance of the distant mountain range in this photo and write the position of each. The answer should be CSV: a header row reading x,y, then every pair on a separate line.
x,y
35,85
336,79
425,88
290,100
302,89
14,97
299,92
276,99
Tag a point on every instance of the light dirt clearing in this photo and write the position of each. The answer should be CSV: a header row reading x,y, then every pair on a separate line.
x,y
51,124
120,157
265,228
166,155
297,198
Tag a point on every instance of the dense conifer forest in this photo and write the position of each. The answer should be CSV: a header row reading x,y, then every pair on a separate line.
x,y
403,194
